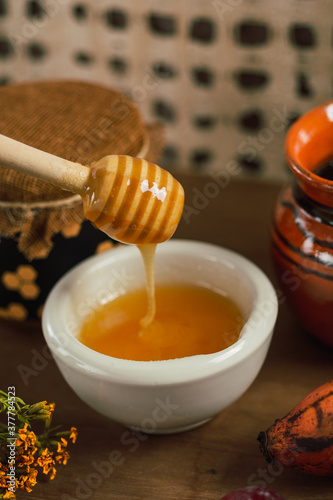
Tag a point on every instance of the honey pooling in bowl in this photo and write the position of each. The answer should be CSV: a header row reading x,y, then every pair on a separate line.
x,y
188,321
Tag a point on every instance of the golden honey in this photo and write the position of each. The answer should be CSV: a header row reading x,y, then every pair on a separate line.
x,y
188,321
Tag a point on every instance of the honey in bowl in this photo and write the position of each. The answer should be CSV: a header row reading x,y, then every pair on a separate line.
x,y
138,203
188,321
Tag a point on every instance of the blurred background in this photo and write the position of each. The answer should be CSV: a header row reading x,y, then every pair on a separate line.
x,y
225,77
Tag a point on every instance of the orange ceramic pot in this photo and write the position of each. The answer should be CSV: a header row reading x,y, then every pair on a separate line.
x,y
302,230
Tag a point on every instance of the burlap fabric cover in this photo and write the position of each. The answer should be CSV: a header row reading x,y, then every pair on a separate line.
x,y
77,121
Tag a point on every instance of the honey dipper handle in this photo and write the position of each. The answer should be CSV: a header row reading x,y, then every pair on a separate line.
x,y
31,161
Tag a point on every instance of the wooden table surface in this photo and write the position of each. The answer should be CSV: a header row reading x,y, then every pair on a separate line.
x,y
221,455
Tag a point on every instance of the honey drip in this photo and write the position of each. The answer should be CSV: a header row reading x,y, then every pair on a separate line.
x,y
135,202
148,257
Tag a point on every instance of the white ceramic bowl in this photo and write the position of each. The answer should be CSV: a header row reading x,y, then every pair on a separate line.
x,y
160,396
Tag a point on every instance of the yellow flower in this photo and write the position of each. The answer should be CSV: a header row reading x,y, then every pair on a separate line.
x,y
21,440
3,480
53,472
26,439
63,457
10,495
25,460
31,481
49,409
46,461
20,481
27,481
73,434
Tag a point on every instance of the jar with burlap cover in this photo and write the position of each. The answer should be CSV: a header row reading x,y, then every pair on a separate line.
x,y
42,227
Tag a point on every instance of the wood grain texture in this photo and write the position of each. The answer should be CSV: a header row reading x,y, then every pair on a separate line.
x,y
222,455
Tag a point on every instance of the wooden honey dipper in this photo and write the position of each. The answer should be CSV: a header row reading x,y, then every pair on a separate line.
x,y
130,199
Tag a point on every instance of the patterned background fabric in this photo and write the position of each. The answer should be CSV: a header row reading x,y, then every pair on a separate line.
x,y
226,77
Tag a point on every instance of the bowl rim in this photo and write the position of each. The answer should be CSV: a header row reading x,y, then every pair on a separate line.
x,y
180,370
